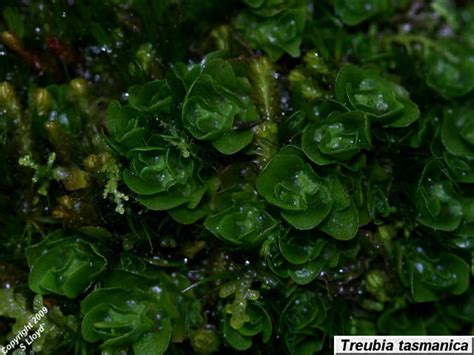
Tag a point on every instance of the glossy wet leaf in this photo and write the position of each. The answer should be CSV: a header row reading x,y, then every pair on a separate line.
x,y
276,32
431,274
64,265
439,205
290,183
216,101
337,139
387,103
258,323
451,71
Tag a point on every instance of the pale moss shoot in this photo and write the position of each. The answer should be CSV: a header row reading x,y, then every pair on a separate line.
x,y
242,292
43,174
112,171
180,143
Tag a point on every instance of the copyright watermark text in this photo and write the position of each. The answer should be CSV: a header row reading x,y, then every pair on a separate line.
x,y
28,334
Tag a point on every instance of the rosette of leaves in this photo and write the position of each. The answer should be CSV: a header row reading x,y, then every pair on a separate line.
x,y
449,68
162,171
217,104
64,265
458,314
457,135
303,319
386,103
342,223
242,218
436,319
402,321
127,127
120,317
154,97
164,179
461,169
355,186
438,203
432,275
270,251
380,179
354,12
275,26
463,237
306,254
338,139
137,307
258,323
289,183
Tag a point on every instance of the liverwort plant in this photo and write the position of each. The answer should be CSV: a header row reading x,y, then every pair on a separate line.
x,y
289,183
250,176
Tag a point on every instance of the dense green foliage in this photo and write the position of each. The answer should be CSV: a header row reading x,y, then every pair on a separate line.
x,y
235,176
